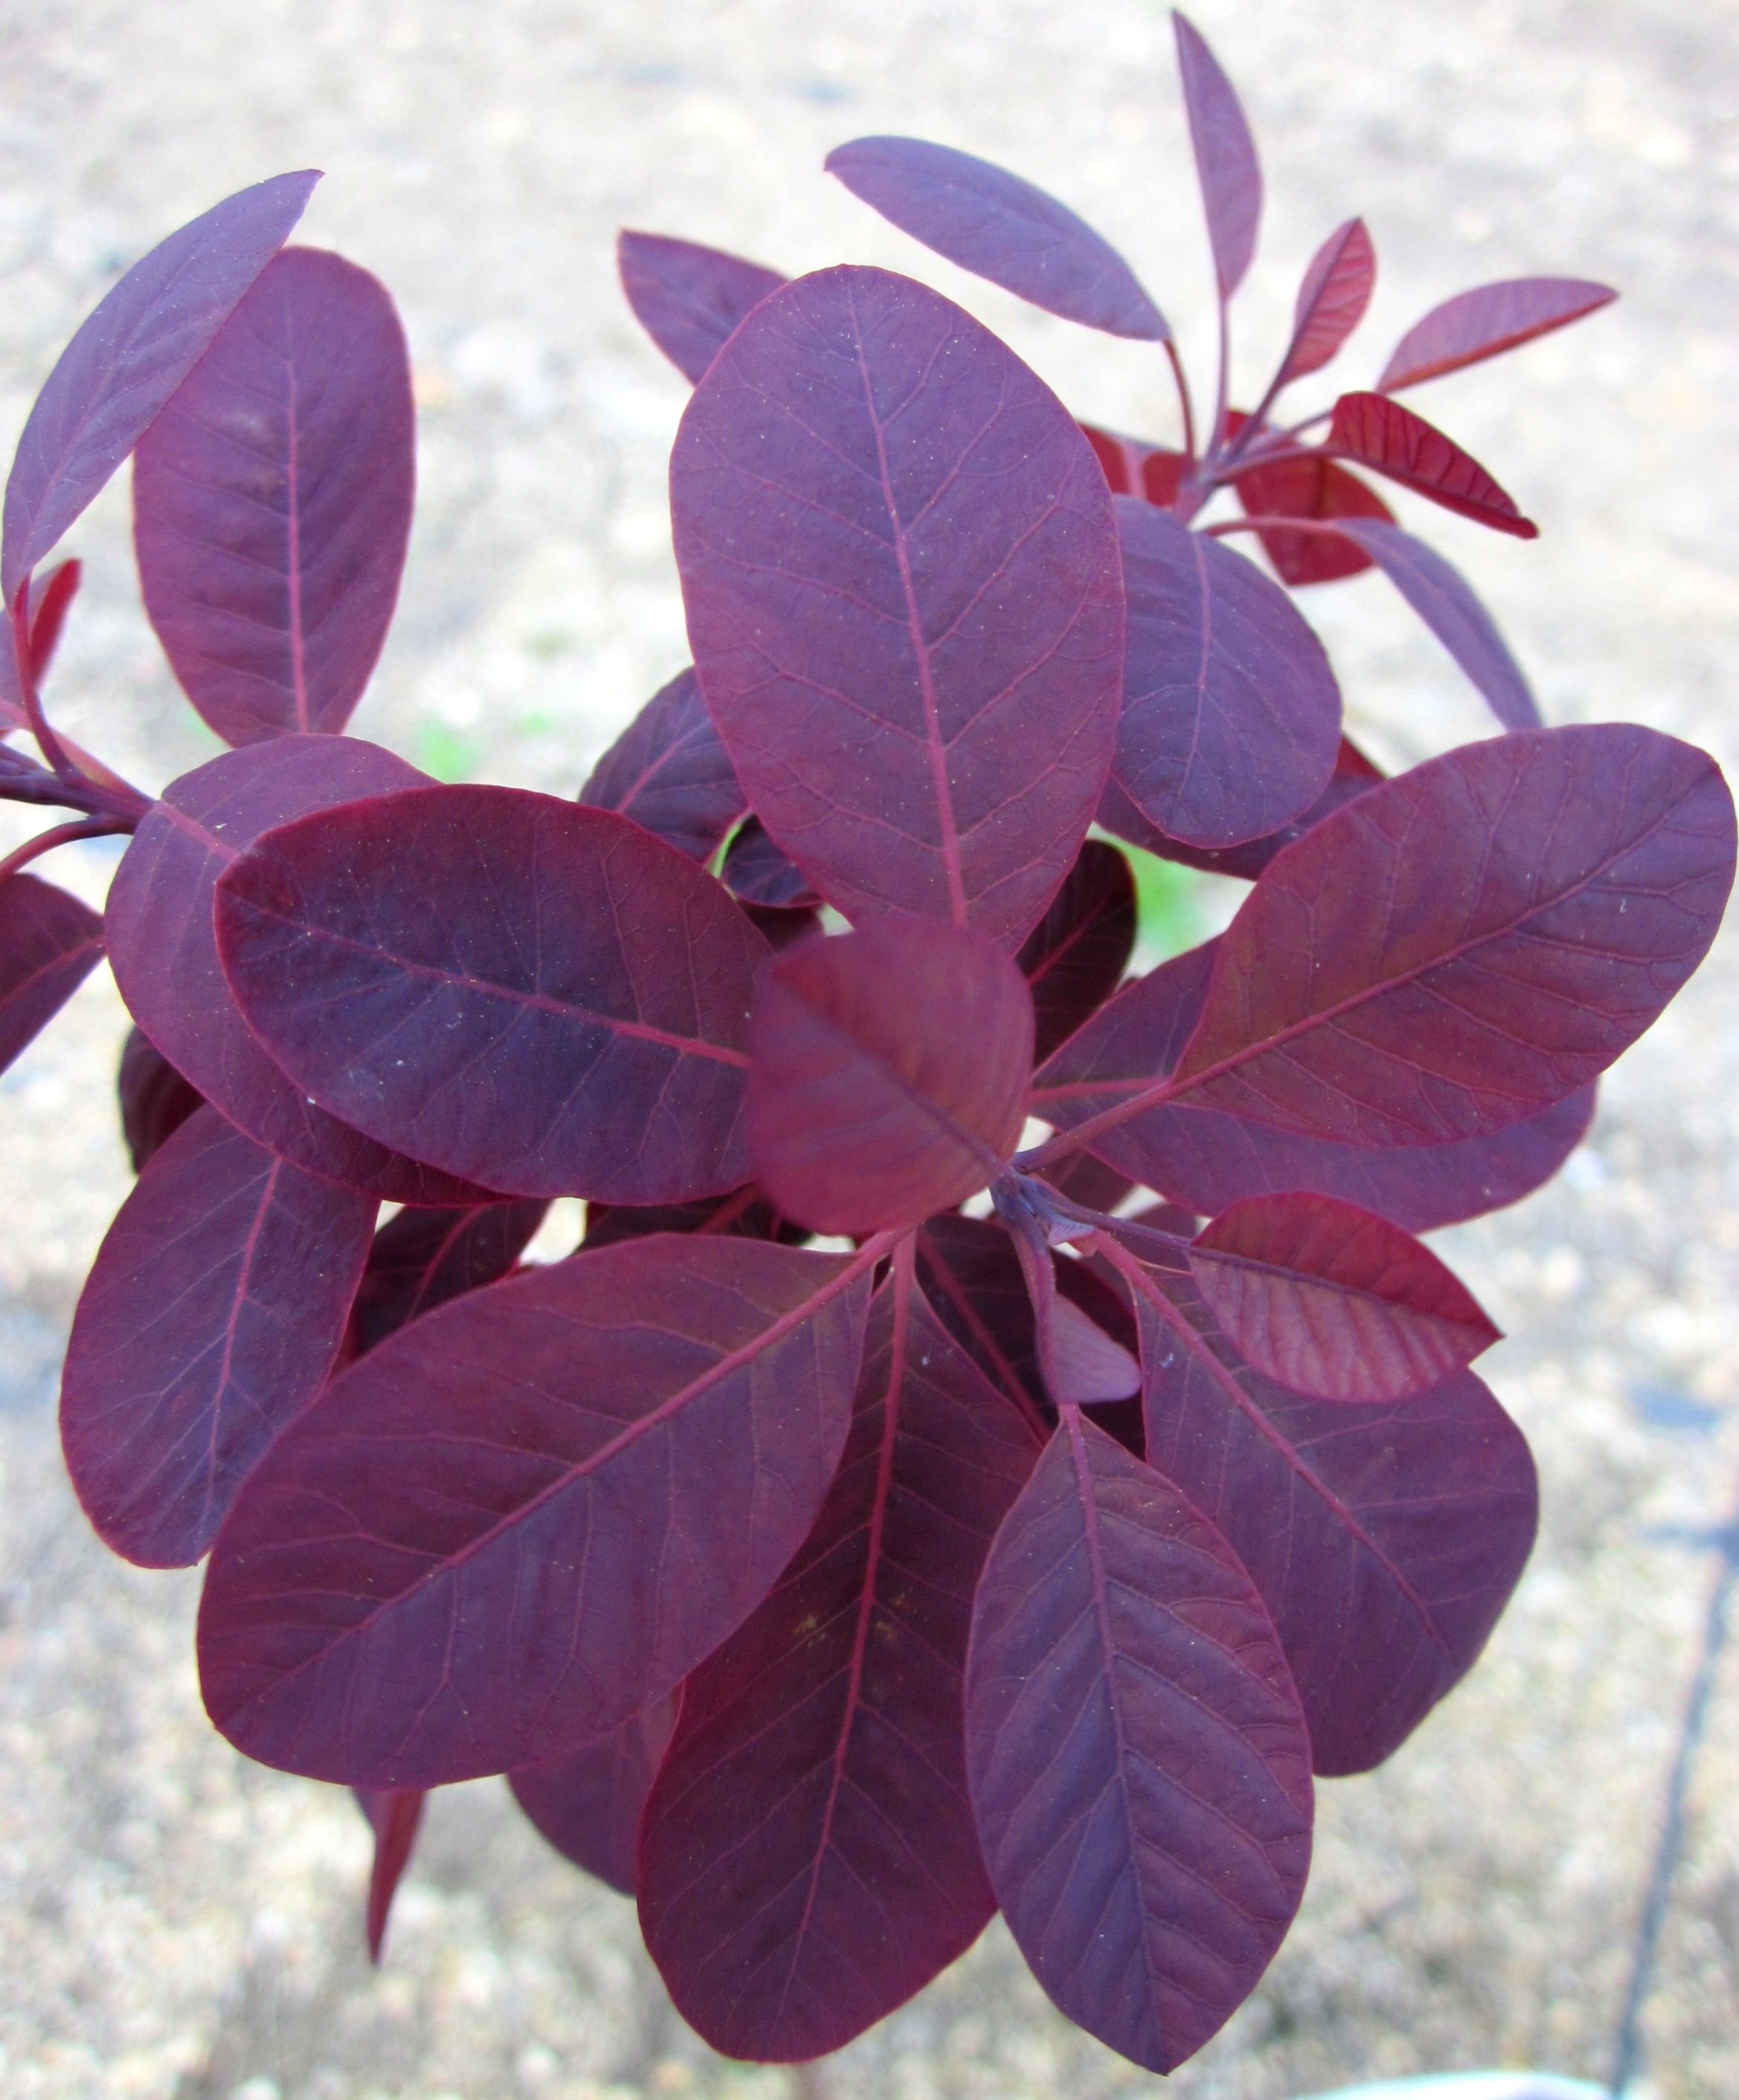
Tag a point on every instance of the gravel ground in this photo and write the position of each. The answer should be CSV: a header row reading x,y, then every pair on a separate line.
x,y
173,1922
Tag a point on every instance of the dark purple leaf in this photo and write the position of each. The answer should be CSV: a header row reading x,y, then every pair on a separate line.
x,y
1441,598
595,1468
1391,440
51,596
1331,300
588,1804
781,926
1131,467
272,501
50,943
1231,715
542,997
1001,226
969,1273
744,1212
1079,1362
1386,1538
755,871
1074,957
1089,1181
689,299
116,374
668,770
155,1100
1486,321
394,1818
212,1313
1225,158
1209,1160
421,1259
808,1859
889,1074
905,600
1333,1302
162,945
1314,489
1140,1768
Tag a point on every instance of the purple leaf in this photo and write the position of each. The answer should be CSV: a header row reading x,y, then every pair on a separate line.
x,y
596,1469
422,1259
745,1213
1231,715
1074,957
781,926
1391,440
889,1074
272,501
755,871
49,945
1088,1181
540,997
1131,467
395,1817
905,601
1079,1362
1386,1538
668,770
1225,158
1209,1160
116,374
1002,227
1442,599
688,299
1139,1764
163,950
212,1315
1484,322
1315,490
588,1804
1333,1302
1331,300
51,597
155,1100
971,1279
808,1859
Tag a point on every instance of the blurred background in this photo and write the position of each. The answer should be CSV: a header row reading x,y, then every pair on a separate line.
x,y
177,1925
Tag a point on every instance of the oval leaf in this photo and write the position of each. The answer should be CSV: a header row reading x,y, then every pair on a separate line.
x,y
755,871
1391,440
820,1757
1140,1768
1225,158
673,1409
155,1100
1002,227
1074,956
163,946
1333,1302
1486,321
941,637
131,354
668,771
272,501
588,1804
538,996
889,1074
1231,717
421,1259
1331,300
50,943
211,1316
688,299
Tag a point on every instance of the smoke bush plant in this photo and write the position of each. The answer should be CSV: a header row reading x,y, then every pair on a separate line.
x,y
831,1599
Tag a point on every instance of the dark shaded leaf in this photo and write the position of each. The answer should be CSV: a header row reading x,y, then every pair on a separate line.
x,y
155,1100
1331,300
1231,715
808,1859
1155,473
421,1259
689,299
211,1316
1001,226
51,597
597,1468
1079,1362
588,1804
272,501
969,1273
904,596
50,943
1225,158
668,771
744,1212
163,946
1089,1181
781,926
755,871
542,997
394,1816
1391,440
1139,1764
1333,1302
1486,321
1075,957
129,356
889,1074
1313,488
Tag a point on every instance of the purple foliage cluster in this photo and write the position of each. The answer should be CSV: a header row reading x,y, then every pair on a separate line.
x,y
830,1598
